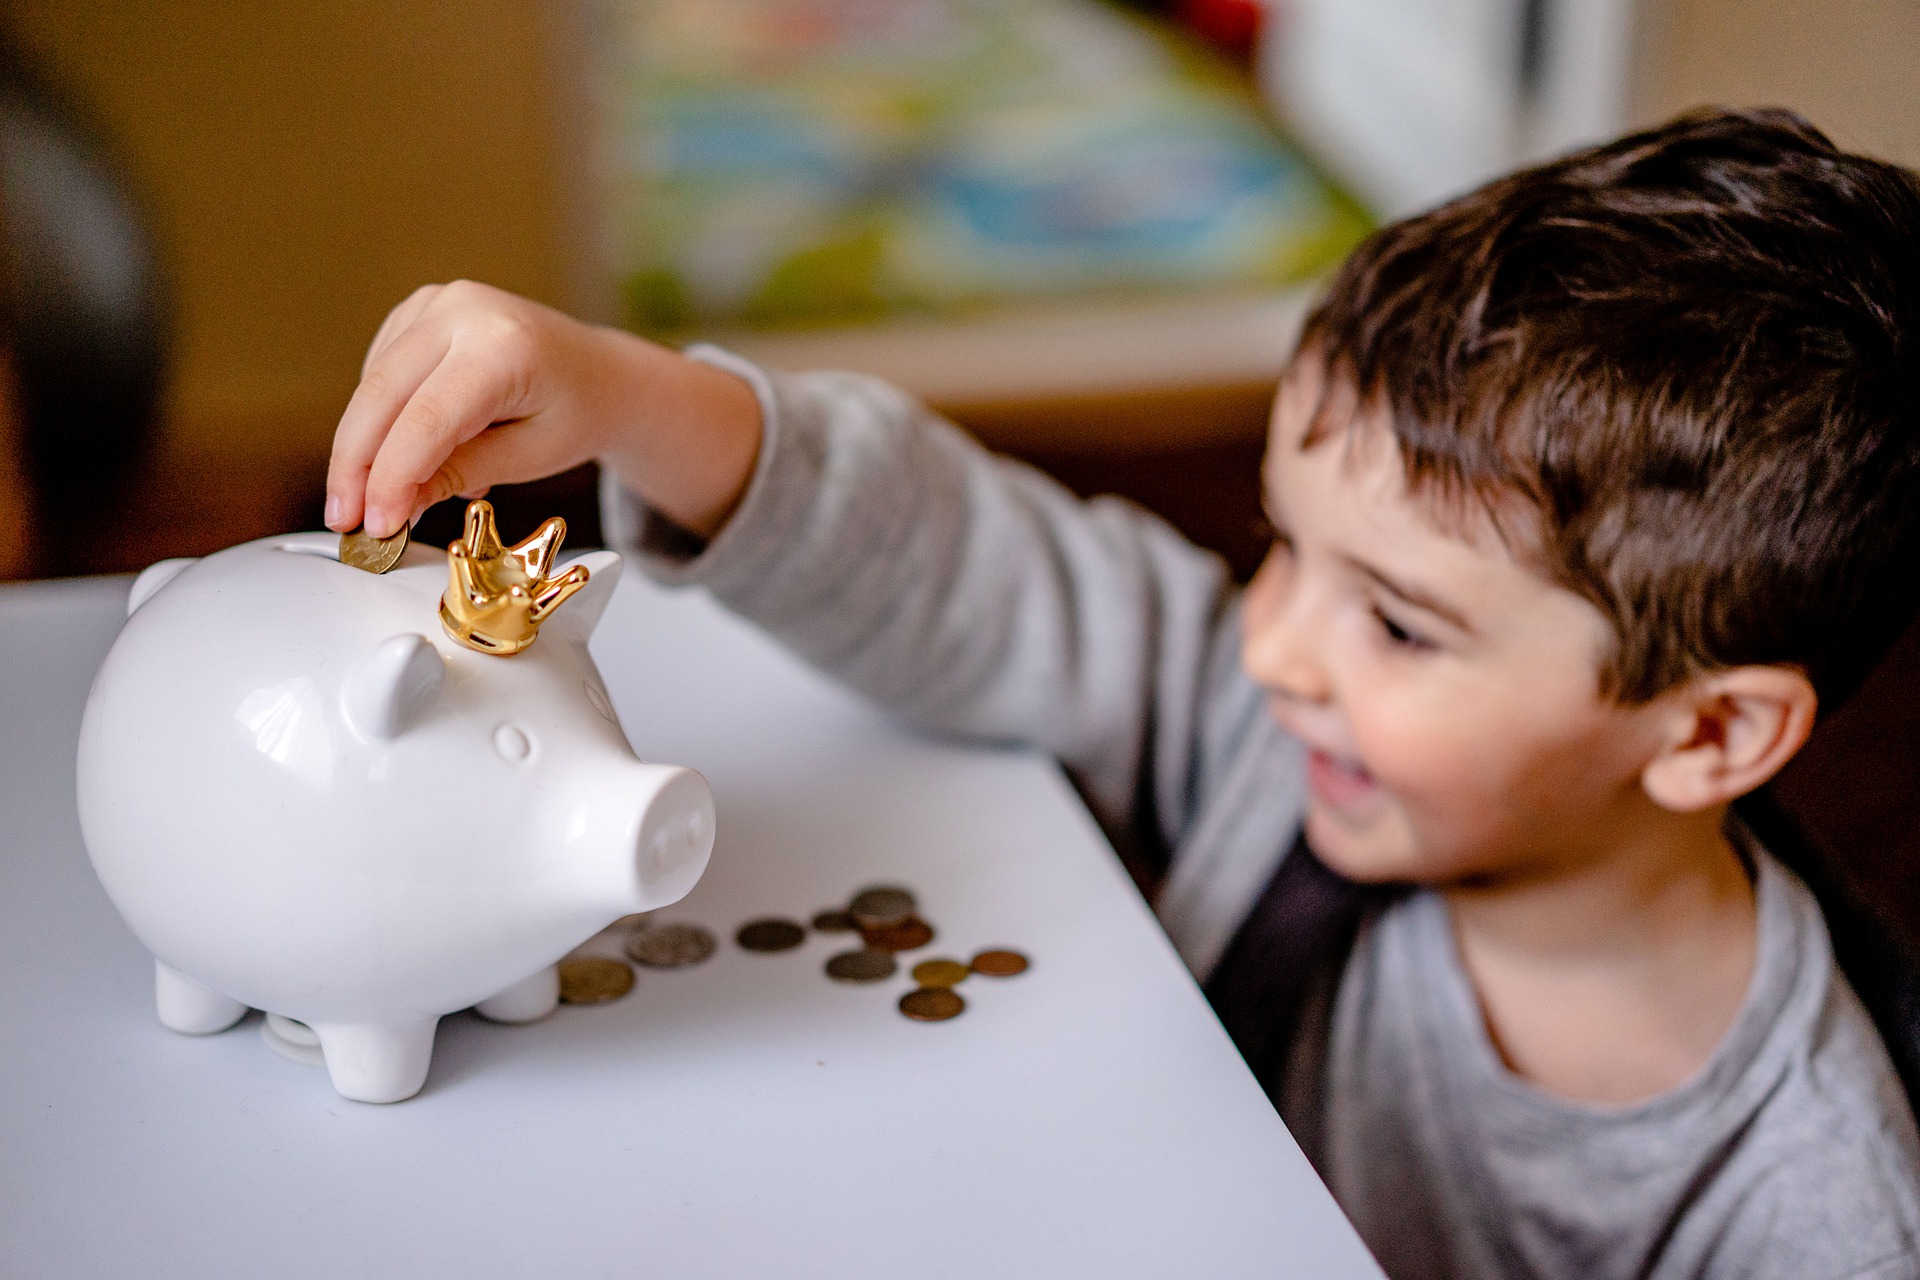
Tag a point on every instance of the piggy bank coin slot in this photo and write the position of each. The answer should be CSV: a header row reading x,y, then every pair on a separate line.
x,y
317,550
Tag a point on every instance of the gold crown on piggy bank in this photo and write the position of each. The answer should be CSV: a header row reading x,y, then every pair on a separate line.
x,y
498,595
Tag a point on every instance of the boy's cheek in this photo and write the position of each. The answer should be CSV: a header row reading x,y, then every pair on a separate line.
x,y
1455,787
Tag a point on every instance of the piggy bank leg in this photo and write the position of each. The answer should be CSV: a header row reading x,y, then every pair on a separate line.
x,y
191,1007
383,1062
528,1000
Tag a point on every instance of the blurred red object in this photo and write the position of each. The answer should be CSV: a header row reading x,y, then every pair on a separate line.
x,y
1231,24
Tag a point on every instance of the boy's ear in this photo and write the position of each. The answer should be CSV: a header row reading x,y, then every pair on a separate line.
x,y
1730,731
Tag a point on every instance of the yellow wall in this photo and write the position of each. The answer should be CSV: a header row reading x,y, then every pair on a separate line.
x,y
1851,66
311,161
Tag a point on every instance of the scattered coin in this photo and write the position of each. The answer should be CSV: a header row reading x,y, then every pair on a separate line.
x,y
375,555
771,934
594,979
836,922
670,946
880,906
909,934
999,963
939,973
932,1004
865,965
633,921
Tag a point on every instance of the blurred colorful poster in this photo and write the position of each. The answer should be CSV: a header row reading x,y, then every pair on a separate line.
x,y
786,162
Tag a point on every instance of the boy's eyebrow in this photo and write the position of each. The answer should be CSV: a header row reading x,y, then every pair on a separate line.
x,y
1413,595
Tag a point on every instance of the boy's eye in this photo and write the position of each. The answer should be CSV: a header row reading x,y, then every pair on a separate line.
x,y
1400,636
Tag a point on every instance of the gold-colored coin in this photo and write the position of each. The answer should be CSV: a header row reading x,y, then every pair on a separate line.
x,y
932,1004
772,934
835,922
670,946
880,906
865,965
907,935
940,973
375,555
594,979
999,963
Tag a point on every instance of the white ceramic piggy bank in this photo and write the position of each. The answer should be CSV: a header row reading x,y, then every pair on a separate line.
x,y
306,798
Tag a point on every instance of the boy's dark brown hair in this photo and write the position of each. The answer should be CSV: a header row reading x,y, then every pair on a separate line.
x,y
1695,354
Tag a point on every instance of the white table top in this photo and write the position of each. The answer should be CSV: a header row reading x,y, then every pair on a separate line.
x,y
745,1118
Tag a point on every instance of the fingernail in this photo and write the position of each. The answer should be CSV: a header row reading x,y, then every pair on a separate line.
x,y
416,517
334,507
376,518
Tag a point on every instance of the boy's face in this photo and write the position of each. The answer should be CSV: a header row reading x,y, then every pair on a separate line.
x,y
1449,696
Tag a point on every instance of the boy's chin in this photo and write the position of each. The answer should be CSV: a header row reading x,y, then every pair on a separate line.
x,y
1376,851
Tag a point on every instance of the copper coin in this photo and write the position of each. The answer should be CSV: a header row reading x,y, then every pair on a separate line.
x,y
940,973
862,966
880,906
932,1004
835,922
908,935
670,946
999,963
771,934
594,979
375,555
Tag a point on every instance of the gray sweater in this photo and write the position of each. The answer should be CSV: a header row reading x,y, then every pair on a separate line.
x,y
975,596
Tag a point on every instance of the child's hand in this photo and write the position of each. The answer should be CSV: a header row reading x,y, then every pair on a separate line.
x,y
466,387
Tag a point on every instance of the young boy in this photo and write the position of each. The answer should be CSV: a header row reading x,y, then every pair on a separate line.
x,y
1590,488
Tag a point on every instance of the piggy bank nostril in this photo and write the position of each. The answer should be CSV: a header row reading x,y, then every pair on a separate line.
x,y
513,744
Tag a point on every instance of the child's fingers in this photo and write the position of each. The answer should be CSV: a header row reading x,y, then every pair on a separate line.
x,y
456,402
505,453
389,385
398,321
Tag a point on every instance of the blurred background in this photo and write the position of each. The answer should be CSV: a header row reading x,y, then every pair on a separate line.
x,y
1084,229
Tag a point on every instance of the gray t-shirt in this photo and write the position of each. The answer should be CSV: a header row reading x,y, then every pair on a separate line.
x,y
1790,1155
975,596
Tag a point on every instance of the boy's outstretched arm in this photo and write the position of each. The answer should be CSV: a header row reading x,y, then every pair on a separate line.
x,y
466,386
975,595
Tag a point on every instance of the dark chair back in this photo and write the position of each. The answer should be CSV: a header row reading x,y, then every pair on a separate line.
x,y
1882,973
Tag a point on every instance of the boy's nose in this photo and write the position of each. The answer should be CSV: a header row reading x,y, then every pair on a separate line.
x,y
1276,646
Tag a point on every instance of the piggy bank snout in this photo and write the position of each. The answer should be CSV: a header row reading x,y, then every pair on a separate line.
x,y
663,817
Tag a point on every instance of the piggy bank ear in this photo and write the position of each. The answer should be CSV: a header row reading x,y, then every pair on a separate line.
x,y
581,614
392,685
151,579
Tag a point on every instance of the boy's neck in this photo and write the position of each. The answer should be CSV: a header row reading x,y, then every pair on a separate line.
x,y
1612,977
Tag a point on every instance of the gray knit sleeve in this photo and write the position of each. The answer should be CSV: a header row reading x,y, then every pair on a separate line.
x,y
966,592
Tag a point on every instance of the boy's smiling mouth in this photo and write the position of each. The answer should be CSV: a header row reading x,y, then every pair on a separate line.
x,y
1337,781
1340,783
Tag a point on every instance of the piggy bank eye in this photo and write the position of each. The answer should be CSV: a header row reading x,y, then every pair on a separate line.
x,y
514,744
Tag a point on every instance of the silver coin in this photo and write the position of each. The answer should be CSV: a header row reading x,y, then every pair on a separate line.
x,y
865,965
880,906
670,946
